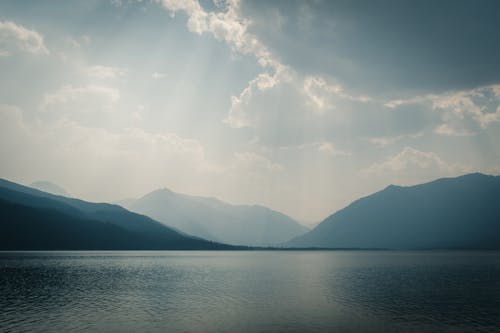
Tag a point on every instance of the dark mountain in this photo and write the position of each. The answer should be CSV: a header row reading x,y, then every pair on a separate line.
x,y
462,212
50,187
213,219
34,220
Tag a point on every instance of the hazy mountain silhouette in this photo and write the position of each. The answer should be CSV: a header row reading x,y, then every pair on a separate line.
x,y
462,212
213,219
34,220
50,187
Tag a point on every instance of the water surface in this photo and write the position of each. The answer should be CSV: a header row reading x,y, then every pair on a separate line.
x,y
290,291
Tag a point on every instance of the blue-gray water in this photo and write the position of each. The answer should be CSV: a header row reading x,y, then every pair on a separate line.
x,y
250,291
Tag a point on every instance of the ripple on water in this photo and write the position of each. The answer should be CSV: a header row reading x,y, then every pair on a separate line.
x,y
251,291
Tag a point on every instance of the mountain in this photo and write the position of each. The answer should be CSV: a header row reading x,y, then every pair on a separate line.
x,y
462,212
215,220
49,187
34,220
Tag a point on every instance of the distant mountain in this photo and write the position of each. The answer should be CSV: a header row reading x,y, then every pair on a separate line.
x,y
49,187
462,212
34,220
213,219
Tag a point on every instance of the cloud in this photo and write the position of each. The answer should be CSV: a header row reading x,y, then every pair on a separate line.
x,y
92,105
447,130
392,104
383,141
136,140
318,92
106,96
322,95
460,110
229,26
409,158
324,147
289,99
317,109
255,162
292,130
462,104
330,149
105,72
77,42
412,166
14,36
365,46
271,92
88,157
239,116
226,25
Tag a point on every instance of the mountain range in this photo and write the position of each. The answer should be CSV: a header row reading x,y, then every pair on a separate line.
x,y
216,220
462,212
448,213
49,187
34,220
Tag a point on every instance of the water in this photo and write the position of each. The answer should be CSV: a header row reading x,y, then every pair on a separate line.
x,y
345,291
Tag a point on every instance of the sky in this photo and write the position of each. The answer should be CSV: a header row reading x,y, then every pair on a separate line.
x,y
301,106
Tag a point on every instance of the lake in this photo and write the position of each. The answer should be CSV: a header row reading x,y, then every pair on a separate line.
x,y
253,291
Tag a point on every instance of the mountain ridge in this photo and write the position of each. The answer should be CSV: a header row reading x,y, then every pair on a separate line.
x,y
50,187
443,213
25,210
214,219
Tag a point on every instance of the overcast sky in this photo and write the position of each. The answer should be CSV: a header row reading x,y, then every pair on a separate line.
x,y
299,106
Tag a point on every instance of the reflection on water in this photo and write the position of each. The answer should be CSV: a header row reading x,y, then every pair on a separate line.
x,y
250,291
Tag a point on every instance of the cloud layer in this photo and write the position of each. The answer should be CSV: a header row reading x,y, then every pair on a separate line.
x,y
17,37
302,107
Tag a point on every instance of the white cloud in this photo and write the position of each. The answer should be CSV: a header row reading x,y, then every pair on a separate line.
x,y
383,141
14,36
255,163
229,26
412,166
317,91
392,104
92,105
496,90
238,116
128,161
88,157
448,130
324,147
136,139
480,105
330,149
409,158
225,25
461,104
105,72
104,95
321,94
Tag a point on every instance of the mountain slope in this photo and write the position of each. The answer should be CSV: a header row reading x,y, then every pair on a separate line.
x,y
218,221
50,187
462,212
35,220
